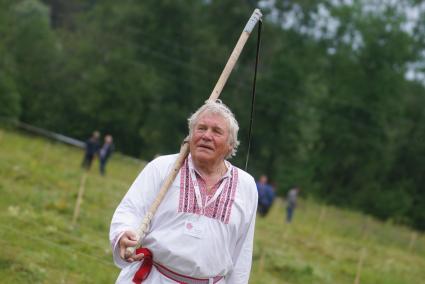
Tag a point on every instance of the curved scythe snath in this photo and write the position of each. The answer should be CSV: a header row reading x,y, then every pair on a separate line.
x,y
184,150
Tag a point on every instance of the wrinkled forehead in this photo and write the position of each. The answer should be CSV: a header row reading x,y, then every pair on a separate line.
x,y
213,118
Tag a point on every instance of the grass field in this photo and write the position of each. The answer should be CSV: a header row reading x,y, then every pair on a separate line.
x,y
39,182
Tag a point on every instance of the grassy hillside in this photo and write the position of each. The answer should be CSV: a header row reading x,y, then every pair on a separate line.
x,y
39,182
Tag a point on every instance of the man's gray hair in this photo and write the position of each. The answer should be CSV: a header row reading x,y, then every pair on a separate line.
x,y
217,107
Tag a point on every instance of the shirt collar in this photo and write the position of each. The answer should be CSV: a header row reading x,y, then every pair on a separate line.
x,y
227,174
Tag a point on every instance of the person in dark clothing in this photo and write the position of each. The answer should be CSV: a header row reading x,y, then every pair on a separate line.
x,y
92,147
265,195
105,152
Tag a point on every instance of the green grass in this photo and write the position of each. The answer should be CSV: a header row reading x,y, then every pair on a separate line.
x,y
39,182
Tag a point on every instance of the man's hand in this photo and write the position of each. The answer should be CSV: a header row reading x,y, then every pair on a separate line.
x,y
129,239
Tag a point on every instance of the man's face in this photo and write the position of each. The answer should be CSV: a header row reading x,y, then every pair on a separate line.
x,y
210,138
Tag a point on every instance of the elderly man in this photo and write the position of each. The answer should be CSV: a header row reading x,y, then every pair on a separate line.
x,y
203,230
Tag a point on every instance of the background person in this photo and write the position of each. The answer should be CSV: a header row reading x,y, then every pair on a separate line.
x,y
91,149
265,195
291,203
105,152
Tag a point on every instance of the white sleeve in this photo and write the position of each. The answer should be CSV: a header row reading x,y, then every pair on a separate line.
x,y
242,257
133,207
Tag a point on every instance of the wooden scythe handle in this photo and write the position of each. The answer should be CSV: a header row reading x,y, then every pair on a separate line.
x,y
184,149
255,17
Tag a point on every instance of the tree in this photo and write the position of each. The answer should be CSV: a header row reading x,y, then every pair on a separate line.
x,y
9,95
35,53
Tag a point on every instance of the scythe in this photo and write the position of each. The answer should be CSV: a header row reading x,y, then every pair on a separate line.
x,y
184,150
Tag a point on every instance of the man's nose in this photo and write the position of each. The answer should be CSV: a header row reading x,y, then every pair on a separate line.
x,y
207,135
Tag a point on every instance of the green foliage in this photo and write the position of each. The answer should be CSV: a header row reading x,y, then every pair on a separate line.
x,y
34,50
10,105
9,97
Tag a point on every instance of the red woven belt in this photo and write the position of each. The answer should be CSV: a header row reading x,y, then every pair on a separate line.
x,y
146,268
183,279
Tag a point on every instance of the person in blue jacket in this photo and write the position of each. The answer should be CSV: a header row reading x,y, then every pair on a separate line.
x,y
266,195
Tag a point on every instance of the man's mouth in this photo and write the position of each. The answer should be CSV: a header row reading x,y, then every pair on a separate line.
x,y
206,147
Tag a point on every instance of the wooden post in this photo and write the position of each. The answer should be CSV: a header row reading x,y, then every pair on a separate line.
x,y
79,198
322,214
365,228
320,220
45,151
359,266
413,238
